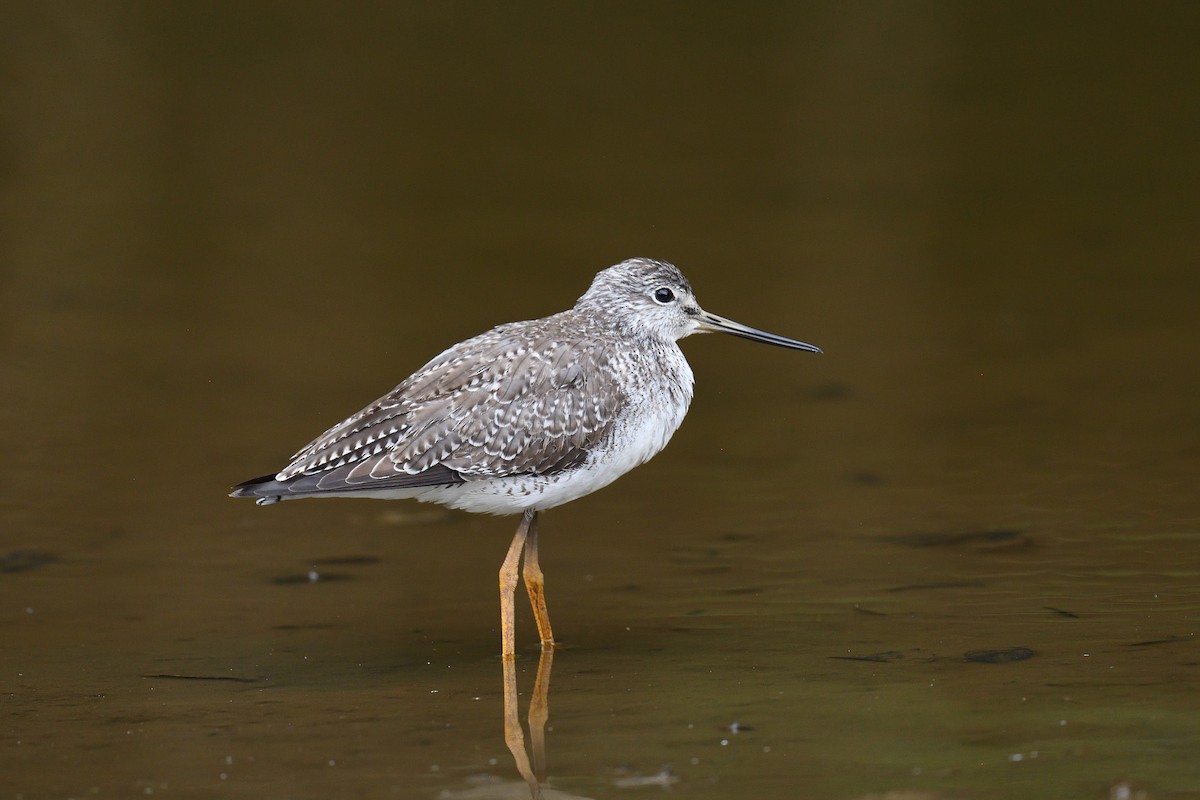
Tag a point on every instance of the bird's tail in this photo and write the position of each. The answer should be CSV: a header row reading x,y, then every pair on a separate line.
x,y
266,489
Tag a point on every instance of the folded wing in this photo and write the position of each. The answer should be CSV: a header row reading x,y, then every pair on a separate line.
x,y
514,401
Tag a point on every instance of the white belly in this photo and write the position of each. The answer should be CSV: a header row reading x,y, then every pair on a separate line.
x,y
650,417
637,436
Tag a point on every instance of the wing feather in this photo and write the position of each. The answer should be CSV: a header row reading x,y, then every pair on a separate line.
x,y
517,400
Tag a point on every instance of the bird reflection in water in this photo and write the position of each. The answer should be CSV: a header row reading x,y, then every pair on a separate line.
x,y
531,762
539,713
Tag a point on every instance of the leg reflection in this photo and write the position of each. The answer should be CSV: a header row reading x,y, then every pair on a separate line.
x,y
539,712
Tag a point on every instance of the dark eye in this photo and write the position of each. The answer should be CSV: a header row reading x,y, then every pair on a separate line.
x,y
664,295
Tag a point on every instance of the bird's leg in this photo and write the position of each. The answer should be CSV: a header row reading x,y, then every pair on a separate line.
x,y
535,584
508,587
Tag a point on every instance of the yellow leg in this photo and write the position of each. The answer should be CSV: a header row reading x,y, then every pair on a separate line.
x,y
508,587
535,584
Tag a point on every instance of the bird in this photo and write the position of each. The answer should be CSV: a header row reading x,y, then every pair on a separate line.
x,y
524,417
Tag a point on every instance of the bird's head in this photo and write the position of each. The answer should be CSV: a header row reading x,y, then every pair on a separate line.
x,y
653,298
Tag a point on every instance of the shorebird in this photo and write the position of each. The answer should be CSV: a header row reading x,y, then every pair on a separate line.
x,y
524,417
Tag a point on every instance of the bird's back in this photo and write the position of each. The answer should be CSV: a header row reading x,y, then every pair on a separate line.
x,y
529,399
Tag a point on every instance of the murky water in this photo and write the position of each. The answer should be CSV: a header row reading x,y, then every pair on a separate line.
x,y
957,555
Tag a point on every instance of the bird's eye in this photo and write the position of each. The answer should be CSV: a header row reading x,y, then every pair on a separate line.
x,y
663,295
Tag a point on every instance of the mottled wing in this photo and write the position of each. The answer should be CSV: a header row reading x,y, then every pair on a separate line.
x,y
518,400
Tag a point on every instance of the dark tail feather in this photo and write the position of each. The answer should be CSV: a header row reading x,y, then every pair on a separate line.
x,y
266,489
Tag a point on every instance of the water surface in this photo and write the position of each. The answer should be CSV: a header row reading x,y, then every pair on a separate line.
x,y
957,555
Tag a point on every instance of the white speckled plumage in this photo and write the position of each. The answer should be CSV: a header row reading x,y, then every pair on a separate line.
x,y
528,415
524,417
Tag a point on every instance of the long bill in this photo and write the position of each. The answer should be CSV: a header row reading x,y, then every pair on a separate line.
x,y
712,322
